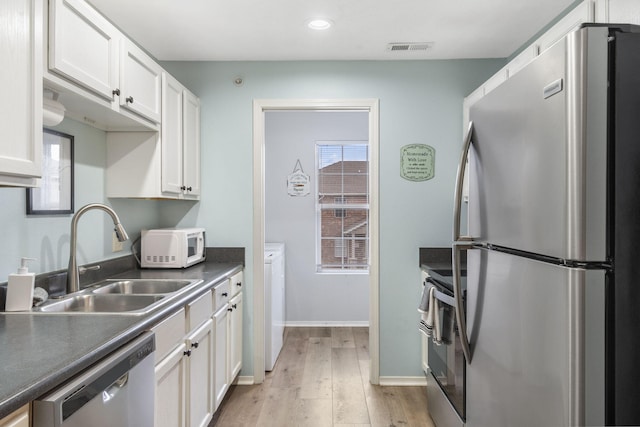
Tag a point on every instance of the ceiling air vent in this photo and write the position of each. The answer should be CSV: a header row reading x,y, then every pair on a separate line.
x,y
405,47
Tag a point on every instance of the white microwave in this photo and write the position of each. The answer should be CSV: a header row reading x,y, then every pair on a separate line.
x,y
172,247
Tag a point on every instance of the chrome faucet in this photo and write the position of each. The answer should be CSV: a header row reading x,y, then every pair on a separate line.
x,y
73,274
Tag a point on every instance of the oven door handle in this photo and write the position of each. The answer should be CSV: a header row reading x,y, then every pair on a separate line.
x,y
447,299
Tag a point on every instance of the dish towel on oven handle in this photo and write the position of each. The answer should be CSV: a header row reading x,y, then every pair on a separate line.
x,y
429,310
425,325
426,310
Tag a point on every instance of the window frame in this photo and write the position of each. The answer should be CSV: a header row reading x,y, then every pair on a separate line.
x,y
343,267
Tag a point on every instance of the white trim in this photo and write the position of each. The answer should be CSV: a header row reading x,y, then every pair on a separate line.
x,y
244,380
323,324
404,381
259,108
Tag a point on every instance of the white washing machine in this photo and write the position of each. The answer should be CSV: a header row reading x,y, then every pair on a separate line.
x,y
274,302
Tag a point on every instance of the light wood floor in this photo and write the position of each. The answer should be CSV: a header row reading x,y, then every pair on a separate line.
x,y
322,379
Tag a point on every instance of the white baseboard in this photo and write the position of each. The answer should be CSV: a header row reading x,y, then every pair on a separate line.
x,y
324,324
384,381
403,381
244,380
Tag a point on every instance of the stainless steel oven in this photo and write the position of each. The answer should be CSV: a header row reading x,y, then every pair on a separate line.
x,y
444,357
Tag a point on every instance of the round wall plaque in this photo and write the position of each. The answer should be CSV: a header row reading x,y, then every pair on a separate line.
x,y
417,162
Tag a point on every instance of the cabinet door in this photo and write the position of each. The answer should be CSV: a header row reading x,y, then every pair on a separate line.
x,y
19,418
83,46
171,135
570,22
201,400
140,82
221,374
170,398
235,283
191,145
235,336
21,52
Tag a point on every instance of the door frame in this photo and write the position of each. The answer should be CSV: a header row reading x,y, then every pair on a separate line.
x,y
260,106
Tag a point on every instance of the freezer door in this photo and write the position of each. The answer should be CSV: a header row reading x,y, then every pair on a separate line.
x,y
526,323
538,159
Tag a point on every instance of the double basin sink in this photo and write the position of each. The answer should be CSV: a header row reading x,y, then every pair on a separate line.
x,y
130,296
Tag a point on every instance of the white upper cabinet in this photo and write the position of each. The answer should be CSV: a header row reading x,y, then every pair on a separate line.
x,y
171,135
21,103
103,78
191,145
140,82
600,11
618,11
83,46
584,12
180,140
163,165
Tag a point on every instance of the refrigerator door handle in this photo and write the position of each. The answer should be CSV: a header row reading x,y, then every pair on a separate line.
x,y
460,243
457,295
457,204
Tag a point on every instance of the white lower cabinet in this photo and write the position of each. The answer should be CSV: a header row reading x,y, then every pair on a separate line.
x,y
19,418
200,367
235,336
171,376
198,355
184,366
228,330
221,321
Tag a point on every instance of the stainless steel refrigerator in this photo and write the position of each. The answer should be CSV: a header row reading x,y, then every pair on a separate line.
x,y
552,319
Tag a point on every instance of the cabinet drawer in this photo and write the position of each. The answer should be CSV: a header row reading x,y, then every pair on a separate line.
x,y
199,310
221,294
235,283
169,333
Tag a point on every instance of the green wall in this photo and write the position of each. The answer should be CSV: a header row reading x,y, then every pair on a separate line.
x,y
420,102
46,238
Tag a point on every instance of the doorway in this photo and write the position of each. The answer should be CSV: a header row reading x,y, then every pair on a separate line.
x,y
261,108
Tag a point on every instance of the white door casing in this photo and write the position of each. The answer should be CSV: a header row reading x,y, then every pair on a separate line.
x,y
260,106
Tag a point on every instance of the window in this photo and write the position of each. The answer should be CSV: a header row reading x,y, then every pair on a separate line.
x,y
342,206
339,213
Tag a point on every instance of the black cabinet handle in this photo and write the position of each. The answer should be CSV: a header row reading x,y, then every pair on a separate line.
x,y
234,306
224,294
183,188
129,99
239,284
187,353
115,92
229,309
189,188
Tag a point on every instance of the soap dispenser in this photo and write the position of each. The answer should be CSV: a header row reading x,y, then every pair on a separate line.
x,y
20,288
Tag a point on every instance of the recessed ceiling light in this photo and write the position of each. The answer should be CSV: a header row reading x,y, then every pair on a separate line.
x,y
319,24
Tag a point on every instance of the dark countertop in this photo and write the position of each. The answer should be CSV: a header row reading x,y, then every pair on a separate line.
x,y
40,351
437,262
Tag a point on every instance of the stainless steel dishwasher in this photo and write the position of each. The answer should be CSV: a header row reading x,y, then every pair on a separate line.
x,y
116,391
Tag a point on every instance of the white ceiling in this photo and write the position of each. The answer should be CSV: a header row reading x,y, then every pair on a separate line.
x,y
230,30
